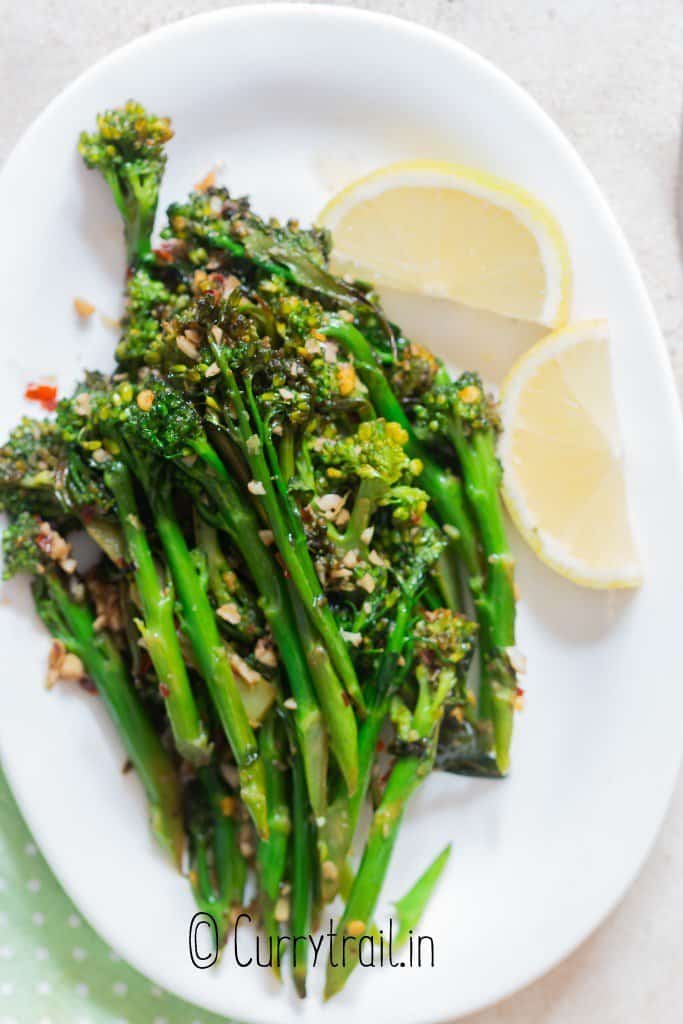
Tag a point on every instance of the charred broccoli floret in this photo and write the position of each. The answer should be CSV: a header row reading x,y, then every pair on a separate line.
x,y
214,220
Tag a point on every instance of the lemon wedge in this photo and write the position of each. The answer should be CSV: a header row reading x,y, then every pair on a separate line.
x,y
563,476
452,232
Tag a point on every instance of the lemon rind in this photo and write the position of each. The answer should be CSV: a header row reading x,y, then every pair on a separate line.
x,y
531,212
546,547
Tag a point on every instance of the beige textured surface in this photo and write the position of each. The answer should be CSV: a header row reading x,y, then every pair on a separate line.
x,y
611,73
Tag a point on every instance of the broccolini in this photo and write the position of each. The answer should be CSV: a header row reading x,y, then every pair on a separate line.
x,y
296,508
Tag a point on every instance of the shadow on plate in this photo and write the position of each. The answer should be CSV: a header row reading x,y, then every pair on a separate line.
x,y
578,615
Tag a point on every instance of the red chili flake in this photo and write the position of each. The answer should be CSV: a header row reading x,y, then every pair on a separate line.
x,y
217,285
164,690
46,394
520,691
379,746
165,252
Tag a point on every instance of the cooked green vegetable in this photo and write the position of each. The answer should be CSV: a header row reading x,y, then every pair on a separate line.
x,y
294,507
128,150
31,545
443,649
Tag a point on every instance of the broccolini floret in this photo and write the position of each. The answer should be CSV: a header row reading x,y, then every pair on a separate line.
x,y
297,504
118,425
86,483
148,303
128,149
461,412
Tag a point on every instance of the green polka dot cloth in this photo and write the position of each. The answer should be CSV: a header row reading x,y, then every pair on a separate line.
x,y
54,969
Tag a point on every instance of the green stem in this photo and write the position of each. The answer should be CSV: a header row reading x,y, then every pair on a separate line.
x,y
411,906
240,523
291,540
482,475
217,886
447,577
404,779
342,817
364,505
143,746
302,872
227,856
443,487
272,852
496,607
339,717
199,622
158,629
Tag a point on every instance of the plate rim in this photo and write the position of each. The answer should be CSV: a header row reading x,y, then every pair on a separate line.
x,y
409,28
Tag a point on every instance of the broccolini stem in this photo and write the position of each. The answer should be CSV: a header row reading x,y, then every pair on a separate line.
x,y
199,622
410,907
481,470
448,579
495,609
217,891
143,746
443,487
240,523
446,491
302,875
229,864
272,852
286,454
347,806
140,222
364,505
388,680
291,541
497,689
339,717
136,201
158,628
404,779
202,884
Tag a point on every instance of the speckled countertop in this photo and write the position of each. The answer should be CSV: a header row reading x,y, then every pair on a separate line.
x,y
610,72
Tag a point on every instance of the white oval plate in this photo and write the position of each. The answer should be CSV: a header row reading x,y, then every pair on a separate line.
x,y
282,94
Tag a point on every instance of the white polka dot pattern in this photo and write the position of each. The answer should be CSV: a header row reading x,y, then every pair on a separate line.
x,y
53,967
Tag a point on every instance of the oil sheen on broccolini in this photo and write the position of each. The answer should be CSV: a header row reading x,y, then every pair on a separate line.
x,y
299,545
